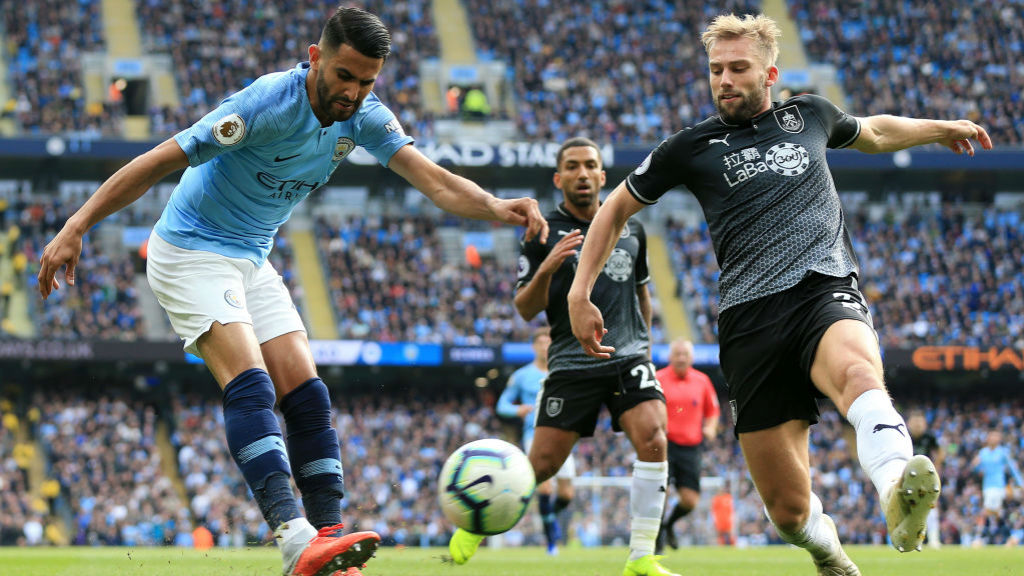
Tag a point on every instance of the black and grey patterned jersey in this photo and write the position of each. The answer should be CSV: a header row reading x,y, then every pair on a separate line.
x,y
767,194
614,293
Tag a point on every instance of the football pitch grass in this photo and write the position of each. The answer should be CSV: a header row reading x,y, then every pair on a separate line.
x,y
768,561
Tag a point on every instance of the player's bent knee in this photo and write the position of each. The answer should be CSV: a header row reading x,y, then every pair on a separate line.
x,y
788,516
688,499
545,466
651,444
862,372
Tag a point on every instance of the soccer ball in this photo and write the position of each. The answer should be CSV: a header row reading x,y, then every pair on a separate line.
x,y
485,486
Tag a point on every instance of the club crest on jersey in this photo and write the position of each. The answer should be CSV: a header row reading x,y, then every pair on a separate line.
x,y
619,265
343,148
554,407
787,159
789,119
524,266
232,298
229,130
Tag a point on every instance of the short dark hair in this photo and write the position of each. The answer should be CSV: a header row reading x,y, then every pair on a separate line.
x,y
541,331
359,29
576,142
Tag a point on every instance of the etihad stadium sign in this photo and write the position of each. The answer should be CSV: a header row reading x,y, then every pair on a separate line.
x,y
967,358
506,154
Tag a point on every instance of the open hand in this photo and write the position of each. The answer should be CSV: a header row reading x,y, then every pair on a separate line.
x,y
562,249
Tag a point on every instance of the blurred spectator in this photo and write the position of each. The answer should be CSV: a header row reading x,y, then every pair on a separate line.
x,y
453,100
475,105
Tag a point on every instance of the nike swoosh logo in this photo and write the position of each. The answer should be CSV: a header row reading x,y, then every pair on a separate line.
x,y
279,159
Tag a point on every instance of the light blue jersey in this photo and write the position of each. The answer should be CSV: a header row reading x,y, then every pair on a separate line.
x,y
523,387
993,463
255,156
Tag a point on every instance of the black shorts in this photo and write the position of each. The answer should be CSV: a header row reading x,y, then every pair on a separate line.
x,y
684,466
572,399
767,346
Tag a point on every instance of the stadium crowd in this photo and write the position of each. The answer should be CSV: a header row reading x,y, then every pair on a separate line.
x,y
613,71
921,58
103,452
114,488
104,303
21,521
950,274
916,58
219,48
933,275
45,44
388,281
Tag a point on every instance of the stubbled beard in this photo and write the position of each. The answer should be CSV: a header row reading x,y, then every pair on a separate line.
x,y
324,97
580,200
750,105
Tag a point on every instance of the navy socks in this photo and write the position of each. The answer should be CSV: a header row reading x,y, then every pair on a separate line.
x,y
314,450
254,438
547,516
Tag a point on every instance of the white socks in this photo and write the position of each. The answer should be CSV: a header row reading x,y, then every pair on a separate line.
x,y
883,441
816,536
292,537
646,505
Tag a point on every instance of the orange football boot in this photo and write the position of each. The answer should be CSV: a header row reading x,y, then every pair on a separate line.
x,y
328,552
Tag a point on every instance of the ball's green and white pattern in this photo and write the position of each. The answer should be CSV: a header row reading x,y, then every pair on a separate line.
x,y
485,486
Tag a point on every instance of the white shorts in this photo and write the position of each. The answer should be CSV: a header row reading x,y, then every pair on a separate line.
x,y
993,498
197,288
568,469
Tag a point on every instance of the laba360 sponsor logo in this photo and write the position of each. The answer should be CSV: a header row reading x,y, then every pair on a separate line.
x,y
785,159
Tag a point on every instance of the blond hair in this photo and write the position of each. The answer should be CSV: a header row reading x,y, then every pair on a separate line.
x,y
761,29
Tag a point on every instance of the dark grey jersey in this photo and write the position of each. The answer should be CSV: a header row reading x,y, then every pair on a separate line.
x,y
767,194
614,293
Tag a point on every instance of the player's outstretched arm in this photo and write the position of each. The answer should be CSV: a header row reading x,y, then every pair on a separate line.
x,y
885,133
462,197
120,190
587,322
